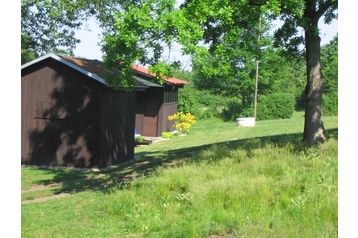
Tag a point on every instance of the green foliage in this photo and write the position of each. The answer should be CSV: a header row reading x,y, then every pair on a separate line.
x,y
232,110
329,61
277,74
300,101
306,14
167,135
27,54
49,26
235,109
221,36
275,106
183,74
295,16
330,104
141,32
212,105
201,103
188,100
163,70
139,138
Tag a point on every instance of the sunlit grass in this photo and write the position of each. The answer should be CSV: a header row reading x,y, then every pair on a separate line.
x,y
31,176
257,182
221,191
213,131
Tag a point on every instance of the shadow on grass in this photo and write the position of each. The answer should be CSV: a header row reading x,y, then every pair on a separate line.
x,y
74,181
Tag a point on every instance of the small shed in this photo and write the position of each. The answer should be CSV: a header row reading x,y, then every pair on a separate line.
x,y
156,103
70,118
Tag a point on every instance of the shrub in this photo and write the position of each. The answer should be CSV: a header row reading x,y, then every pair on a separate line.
x,y
300,101
183,122
167,135
188,100
330,104
235,109
139,138
231,111
275,106
202,104
211,105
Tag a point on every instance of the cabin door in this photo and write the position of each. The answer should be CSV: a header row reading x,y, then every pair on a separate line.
x,y
150,121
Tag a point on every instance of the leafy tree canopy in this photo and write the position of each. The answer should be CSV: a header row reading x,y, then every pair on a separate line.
x,y
329,61
50,25
213,32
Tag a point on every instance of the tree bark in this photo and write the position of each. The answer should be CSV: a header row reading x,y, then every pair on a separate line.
x,y
314,131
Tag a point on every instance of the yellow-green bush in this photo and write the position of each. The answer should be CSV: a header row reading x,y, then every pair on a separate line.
x,y
183,121
167,135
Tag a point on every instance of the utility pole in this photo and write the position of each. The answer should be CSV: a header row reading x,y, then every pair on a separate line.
x,y
256,86
257,73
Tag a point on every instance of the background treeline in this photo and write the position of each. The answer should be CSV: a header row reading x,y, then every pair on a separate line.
x,y
280,84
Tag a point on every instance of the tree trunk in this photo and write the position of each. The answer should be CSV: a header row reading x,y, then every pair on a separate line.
x,y
314,131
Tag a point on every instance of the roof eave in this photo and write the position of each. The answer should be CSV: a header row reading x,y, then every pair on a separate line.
x,y
55,57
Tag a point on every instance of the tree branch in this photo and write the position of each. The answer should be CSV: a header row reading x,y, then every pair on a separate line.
x,y
322,9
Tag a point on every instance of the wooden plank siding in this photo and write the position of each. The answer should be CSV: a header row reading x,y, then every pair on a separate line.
x,y
62,122
167,110
170,93
147,112
162,100
153,108
117,127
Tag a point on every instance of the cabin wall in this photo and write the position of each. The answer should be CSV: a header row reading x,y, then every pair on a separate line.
x,y
59,119
167,109
149,104
117,124
153,108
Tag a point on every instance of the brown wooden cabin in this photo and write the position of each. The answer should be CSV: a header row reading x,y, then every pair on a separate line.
x,y
70,118
155,104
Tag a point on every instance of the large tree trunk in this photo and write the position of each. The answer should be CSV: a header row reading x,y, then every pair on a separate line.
x,y
314,131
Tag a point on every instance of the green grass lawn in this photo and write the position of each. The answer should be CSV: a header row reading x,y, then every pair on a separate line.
x,y
214,131
219,180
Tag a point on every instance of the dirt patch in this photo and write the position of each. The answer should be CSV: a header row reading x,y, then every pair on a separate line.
x,y
43,199
146,167
52,185
63,194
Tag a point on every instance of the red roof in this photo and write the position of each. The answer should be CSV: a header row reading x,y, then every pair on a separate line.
x,y
142,70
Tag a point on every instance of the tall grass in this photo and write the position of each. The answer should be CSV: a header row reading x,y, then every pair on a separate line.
x,y
256,187
253,191
265,191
